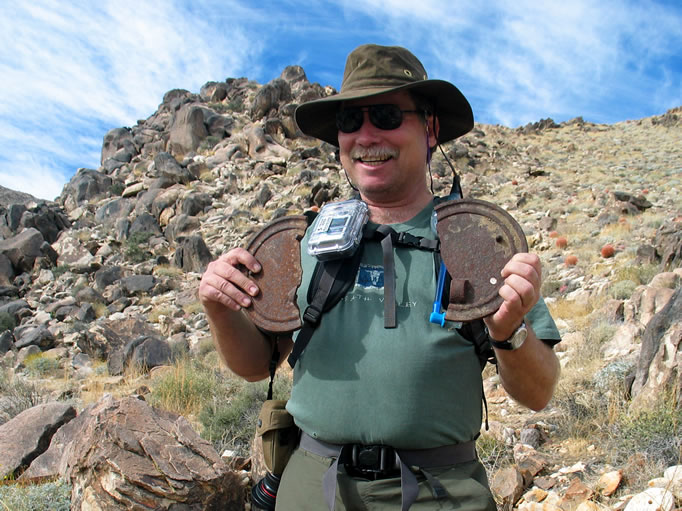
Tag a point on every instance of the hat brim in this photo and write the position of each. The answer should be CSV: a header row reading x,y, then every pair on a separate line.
x,y
318,118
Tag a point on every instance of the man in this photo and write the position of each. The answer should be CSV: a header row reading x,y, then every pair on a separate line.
x,y
389,416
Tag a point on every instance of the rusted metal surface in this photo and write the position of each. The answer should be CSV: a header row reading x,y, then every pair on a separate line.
x,y
277,248
477,238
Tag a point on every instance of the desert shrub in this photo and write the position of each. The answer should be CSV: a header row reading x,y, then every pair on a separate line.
x,y
134,251
205,346
236,104
549,287
493,453
229,419
209,143
41,365
117,188
60,270
184,388
655,433
52,496
622,290
7,321
16,395
639,274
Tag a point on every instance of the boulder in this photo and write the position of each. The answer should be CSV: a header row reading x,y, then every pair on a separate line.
x,y
6,342
23,249
147,352
507,486
6,271
144,223
269,96
213,91
659,367
118,144
195,203
187,130
114,210
124,454
181,225
192,254
35,336
167,167
668,242
106,276
28,435
652,499
49,219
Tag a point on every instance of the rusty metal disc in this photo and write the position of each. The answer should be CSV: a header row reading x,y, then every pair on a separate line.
x,y
277,248
477,239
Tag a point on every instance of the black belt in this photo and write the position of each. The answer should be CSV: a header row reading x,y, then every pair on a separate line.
x,y
380,462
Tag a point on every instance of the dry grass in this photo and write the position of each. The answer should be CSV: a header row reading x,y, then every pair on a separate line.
x,y
576,312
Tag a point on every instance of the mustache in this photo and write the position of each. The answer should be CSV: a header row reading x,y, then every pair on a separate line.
x,y
373,153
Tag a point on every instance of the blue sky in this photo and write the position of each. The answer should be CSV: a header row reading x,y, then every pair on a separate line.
x,y
71,71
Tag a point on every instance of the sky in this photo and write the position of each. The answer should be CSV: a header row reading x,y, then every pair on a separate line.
x,y
72,71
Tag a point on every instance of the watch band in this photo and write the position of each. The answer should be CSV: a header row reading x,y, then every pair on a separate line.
x,y
515,341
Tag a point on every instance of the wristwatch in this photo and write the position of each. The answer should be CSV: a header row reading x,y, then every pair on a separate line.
x,y
514,342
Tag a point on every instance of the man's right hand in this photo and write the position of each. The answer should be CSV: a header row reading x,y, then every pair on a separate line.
x,y
225,281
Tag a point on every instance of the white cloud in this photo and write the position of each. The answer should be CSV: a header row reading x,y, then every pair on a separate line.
x,y
520,61
79,66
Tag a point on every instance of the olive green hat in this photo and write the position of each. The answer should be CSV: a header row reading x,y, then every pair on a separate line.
x,y
372,70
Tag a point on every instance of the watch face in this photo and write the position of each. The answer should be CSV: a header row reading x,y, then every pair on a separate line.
x,y
519,337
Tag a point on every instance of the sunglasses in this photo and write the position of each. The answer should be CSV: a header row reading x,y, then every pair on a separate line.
x,y
384,117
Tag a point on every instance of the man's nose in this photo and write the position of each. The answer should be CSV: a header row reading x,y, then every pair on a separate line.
x,y
367,130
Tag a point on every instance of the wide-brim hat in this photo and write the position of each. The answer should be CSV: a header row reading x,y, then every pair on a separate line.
x,y
372,70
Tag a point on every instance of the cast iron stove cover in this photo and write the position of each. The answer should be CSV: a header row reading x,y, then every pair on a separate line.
x,y
277,248
477,239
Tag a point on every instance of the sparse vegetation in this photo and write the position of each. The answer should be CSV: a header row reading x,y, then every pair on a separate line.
x,y
41,365
7,321
225,407
51,496
16,395
135,251
208,143
493,453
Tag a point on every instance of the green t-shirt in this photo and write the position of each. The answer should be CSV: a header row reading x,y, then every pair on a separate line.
x,y
415,386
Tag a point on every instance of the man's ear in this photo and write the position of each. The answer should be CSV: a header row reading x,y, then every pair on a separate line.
x,y
432,133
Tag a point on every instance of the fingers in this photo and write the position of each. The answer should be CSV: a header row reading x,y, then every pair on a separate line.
x,y
520,292
226,282
523,278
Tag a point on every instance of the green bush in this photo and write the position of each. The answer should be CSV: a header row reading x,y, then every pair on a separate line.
x,y
209,143
17,395
134,252
623,289
40,365
7,321
184,388
54,496
655,433
229,419
226,407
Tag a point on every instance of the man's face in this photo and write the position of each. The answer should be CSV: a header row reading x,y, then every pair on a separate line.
x,y
387,166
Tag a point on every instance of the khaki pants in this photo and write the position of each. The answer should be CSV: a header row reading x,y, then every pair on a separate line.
x,y
301,488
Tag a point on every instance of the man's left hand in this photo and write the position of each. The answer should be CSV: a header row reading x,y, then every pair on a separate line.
x,y
520,292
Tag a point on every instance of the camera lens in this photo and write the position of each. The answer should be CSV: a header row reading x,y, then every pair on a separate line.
x,y
264,493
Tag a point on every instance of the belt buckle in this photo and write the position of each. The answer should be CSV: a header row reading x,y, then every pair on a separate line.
x,y
373,461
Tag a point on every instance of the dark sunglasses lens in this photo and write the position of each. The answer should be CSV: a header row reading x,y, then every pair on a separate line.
x,y
349,120
385,117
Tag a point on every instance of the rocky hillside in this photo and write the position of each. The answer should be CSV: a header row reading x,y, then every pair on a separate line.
x,y
106,277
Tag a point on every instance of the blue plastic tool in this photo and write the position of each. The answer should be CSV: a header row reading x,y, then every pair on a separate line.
x,y
437,315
